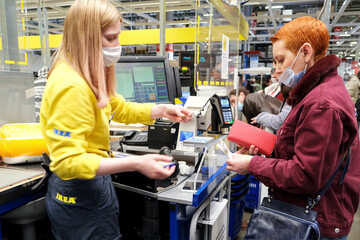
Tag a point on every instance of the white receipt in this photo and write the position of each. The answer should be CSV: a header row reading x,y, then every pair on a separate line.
x,y
224,148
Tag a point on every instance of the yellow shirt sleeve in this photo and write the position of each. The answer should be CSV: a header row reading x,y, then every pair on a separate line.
x,y
70,120
130,112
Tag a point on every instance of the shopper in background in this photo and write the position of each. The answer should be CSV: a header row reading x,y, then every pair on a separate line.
x,y
274,121
318,131
243,92
353,87
274,89
78,102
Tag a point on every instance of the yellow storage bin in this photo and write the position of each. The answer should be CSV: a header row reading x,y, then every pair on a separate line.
x,y
21,143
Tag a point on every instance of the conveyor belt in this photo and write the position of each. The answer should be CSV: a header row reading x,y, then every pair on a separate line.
x,y
10,176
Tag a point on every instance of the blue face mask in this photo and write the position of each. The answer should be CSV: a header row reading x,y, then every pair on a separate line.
x,y
240,106
289,78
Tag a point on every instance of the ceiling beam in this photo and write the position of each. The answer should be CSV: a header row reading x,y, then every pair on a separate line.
x,y
271,12
339,14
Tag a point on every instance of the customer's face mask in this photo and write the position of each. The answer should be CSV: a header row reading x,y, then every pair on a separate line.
x,y
240,106
111,55
288,77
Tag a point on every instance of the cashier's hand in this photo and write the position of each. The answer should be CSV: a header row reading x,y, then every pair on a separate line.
x,y
150,167
172,112
239,163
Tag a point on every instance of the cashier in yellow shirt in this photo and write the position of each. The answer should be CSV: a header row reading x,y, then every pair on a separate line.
x,y
77,104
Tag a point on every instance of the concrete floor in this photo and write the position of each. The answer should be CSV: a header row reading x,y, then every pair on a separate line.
x,y
354,233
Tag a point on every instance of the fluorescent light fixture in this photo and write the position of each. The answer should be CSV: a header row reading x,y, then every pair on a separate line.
x,y
275,7
353,43
352,55
346,34
143,4
252,3
349,58
140,4
208,14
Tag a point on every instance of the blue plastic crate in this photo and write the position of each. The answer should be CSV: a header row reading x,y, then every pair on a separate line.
x,y
240,181
252,199
236,214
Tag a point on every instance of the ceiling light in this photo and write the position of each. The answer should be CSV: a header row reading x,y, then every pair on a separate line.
x,y
348,57
140,4
352,55
275,7
353,43
346,34
143,4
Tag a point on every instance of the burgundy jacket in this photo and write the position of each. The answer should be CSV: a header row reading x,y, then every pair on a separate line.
x,y
309,147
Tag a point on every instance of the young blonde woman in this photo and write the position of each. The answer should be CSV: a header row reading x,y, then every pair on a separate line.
x,y
78,102
317,132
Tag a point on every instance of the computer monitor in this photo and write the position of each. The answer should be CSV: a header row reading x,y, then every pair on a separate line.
x,y
145,79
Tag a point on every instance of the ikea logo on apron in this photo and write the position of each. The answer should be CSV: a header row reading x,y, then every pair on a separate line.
x,y
61,133
65,199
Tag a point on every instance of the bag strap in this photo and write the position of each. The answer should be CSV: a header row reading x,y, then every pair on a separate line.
x,y
316,200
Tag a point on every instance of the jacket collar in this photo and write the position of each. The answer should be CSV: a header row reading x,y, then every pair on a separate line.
x,y
313,77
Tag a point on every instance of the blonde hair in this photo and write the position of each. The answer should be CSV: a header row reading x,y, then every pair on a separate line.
x,y
81,45
304,30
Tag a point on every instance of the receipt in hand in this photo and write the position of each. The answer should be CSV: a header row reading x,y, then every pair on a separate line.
x,y
224,148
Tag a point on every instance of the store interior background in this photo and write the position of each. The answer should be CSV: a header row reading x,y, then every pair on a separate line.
x,y
167,28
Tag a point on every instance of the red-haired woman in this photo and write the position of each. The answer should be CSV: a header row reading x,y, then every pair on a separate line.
x,y
317,132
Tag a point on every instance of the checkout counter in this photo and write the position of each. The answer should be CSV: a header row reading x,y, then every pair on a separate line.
x,y
191,206
174,212
18,202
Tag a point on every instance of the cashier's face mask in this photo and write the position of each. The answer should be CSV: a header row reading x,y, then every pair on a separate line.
x,y
288,77
111,55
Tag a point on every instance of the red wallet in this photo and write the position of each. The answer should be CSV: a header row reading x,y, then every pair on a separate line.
x,y
246,135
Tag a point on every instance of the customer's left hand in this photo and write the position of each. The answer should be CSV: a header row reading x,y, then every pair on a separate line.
x,y
239,163
253,120
172,112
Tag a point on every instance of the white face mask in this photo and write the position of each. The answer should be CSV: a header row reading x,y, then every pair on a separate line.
x,y
288,77
111,55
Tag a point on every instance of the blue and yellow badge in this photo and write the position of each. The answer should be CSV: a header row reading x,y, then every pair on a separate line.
x,y
61,133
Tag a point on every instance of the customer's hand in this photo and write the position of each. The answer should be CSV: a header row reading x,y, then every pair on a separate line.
x,y
172,112
150,167
253,120
239,163
252,150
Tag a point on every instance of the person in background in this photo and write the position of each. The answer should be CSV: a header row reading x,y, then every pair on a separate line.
x,y
318,131
249,87
274,121
274,89
353,87
256,86
243,92
79,101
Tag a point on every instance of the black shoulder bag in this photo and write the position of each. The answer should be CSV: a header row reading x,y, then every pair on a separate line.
x,y
277,220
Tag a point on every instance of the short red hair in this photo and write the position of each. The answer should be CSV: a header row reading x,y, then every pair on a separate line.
x,y
304,30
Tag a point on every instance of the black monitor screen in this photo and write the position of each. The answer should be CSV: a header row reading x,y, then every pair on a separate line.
x,y
144,80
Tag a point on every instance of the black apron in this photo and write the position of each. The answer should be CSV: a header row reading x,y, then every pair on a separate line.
x,y
83,209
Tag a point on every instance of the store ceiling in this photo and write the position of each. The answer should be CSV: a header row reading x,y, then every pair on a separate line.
x,y
265,17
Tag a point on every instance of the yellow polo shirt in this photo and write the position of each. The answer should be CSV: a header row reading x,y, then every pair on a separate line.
x,y
76,130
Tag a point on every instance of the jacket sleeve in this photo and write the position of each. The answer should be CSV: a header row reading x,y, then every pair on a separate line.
x,y
317,140
130,112
352,87
271,120
70,121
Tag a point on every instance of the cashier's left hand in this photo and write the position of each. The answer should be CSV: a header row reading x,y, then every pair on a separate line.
x,y
239,163
172,112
